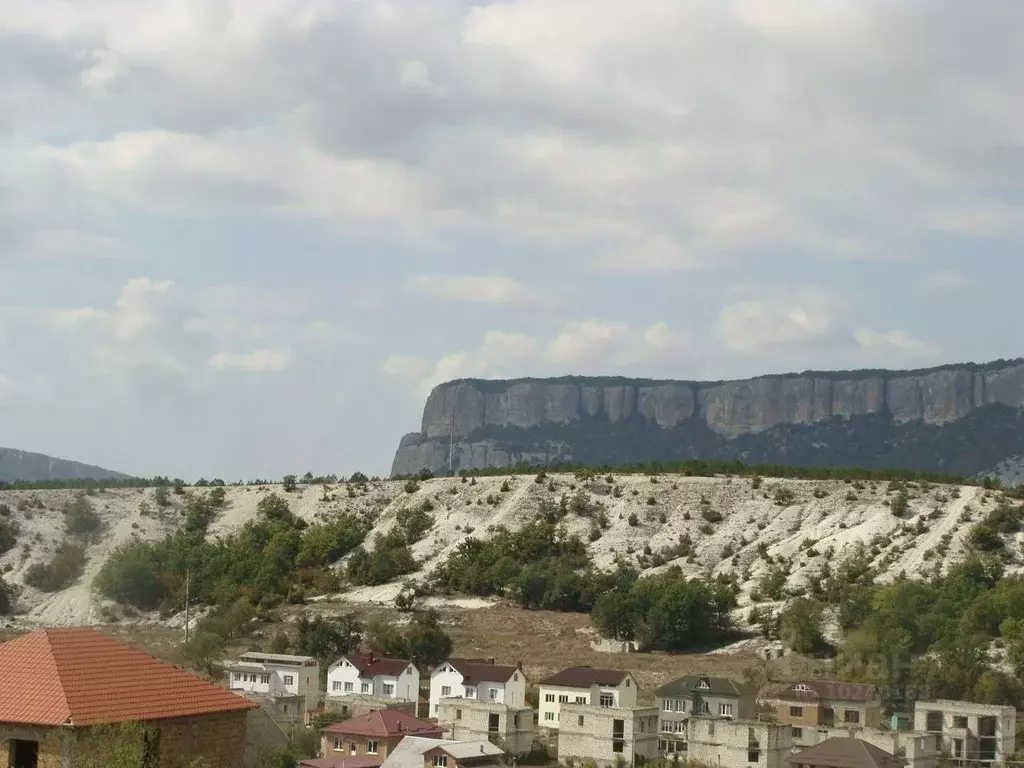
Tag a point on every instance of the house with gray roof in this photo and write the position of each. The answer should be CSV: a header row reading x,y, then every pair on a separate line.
x,y
702,695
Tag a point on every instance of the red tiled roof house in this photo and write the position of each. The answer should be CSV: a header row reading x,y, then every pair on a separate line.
x,y
375,734
59,685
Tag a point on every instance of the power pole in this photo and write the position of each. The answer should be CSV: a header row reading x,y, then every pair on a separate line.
x,y
188,574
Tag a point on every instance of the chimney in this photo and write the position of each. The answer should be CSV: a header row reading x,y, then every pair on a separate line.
x,y
519,665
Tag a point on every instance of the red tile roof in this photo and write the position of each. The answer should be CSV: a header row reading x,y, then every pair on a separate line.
x,y
81,677
384,723
371,666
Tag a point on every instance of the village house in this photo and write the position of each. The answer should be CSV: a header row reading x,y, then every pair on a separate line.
x,y
845,753
969,732
479,679
511,727
607,735
919,749
374,735
702,695
418,752
360,683
735,743
826,703
587,686
61,684
277,676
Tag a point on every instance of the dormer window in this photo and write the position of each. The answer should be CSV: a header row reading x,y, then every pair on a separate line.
x,y
802,687
703,685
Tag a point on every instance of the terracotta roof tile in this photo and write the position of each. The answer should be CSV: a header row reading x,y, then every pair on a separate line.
x,y
81,677
384,723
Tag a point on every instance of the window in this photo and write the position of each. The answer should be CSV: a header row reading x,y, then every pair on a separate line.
x,y
802,687
581,699
285,708
753,756
680,705
352,748
618,746
711,728
515,677
471,693
704,708
458,714
579,720
549,697
492,694
828,715
336,685
364,688
338,743
549,715
389,689
607,700
238,677
440,761
798,733
933,722
289,680
563,699
348,687
627,682
704,685
265,679
796,711
446,690
371,747
666,705
958,747
493,723
959,721
725,710
851,716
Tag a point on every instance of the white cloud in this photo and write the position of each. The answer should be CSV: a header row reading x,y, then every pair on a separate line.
x,y
789,318
259,360
480,289
882,344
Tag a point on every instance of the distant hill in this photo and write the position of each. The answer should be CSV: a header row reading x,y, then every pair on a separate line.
x,y
33,467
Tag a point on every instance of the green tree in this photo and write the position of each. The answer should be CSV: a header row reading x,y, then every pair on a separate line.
x,y
900,503
289,484
204,650
328,638
124,745
80,520
9,594
800,626
428,643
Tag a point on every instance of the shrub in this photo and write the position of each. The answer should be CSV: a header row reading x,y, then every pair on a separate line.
x,y
9,530
505,487
651,501
633,519
161,497
80,519
288,484
783,496
711,515
411,486
61,572
899,503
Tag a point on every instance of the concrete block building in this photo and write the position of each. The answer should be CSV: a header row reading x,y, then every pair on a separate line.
x,y
275,675
474,720
738,743
826,703
607,735
969,732
702,695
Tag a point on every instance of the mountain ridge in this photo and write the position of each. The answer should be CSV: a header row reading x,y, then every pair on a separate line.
x,y
498,423
27,466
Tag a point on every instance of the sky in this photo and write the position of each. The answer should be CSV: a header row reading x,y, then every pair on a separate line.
x,y
243,238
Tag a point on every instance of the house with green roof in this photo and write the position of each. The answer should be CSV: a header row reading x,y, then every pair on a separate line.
x,y
701,696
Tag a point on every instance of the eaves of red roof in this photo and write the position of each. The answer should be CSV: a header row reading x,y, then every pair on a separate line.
x,y
384,723
81,677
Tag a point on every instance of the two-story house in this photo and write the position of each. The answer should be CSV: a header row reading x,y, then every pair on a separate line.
x,y
969,732
418,752
813,704
475,720
588,686
359,682
374,735
479,679
728,742
276,675
702,695
608,736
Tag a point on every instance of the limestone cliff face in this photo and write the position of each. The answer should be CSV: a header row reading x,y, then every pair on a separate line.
x,y
497,423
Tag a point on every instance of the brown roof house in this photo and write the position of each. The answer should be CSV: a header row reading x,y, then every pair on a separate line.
x,y
480,679
587,686
358,683
418,752
374,735
71,691
845,753
811,704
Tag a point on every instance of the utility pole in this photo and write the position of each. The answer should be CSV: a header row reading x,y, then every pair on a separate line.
x,y
188,574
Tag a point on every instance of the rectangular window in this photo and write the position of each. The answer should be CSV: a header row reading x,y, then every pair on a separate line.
x,y
607,700
440,761
265,679
579,720
618,746
336,685
725,710
933,722
666,705
704,708
389,689
798,733
446,690
796,711
365,688
959,722
238,677
371,747
348,687
549,715
851,716
753,756
493,723
549,697
492,693
471,693
338,743
289,680
680,705
581,699
563,699
958,747
458,714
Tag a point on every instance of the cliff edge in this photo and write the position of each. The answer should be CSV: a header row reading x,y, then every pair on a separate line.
x,y
963,419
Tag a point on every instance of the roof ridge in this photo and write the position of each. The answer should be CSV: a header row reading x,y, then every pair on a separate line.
x,y
51,658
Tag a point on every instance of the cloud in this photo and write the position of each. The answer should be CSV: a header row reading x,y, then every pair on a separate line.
x,y
881,345
583,347
785,319
259,360
491,289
